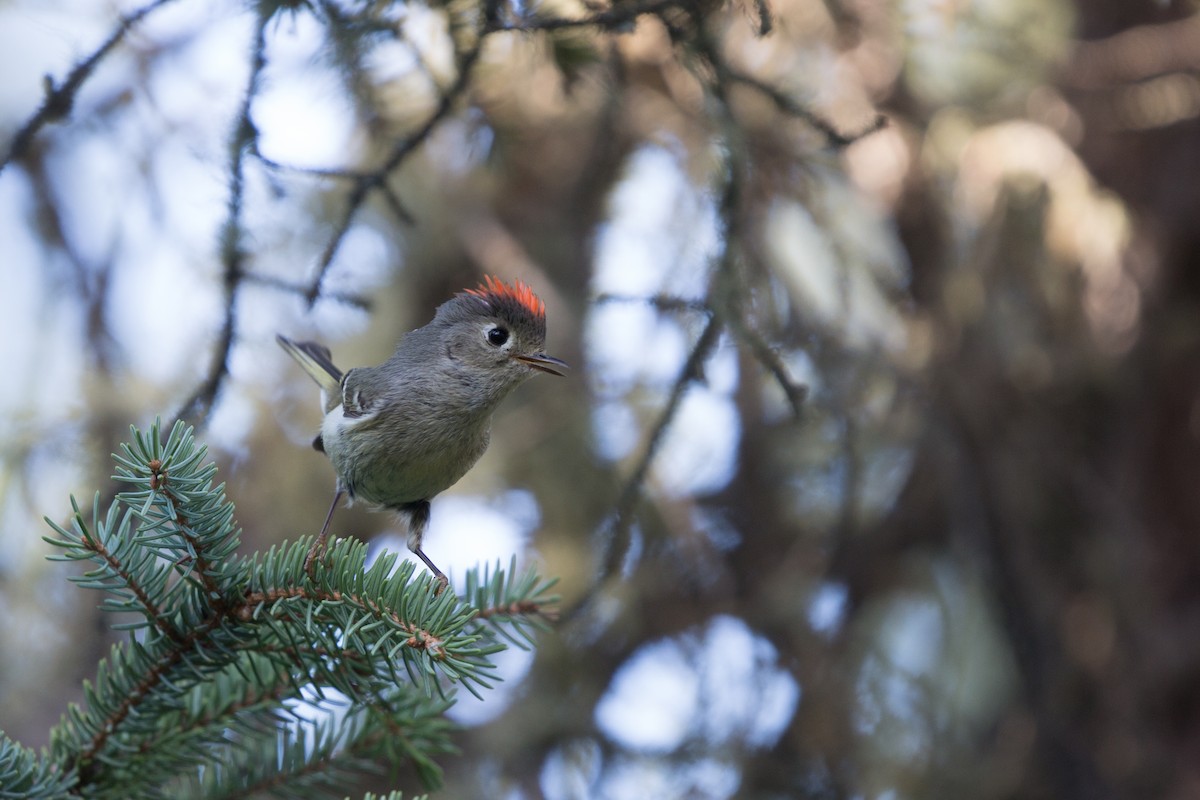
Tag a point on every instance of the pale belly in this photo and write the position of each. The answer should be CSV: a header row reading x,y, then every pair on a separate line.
x,y
388,463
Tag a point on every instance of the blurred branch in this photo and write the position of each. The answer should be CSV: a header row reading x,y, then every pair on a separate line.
x,y
314,172
1136,54
60,98
735,314
616,537
270,281
796,393
377,179
659,301
198,406
613,19
733,311
792,108
722,299
618,534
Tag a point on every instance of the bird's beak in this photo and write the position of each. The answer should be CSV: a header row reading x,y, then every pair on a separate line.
x,y
545,363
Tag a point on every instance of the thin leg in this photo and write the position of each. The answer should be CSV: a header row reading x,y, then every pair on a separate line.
x,y
418,521
318,546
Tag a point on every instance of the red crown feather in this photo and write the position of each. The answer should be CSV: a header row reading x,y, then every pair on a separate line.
x,y
495,290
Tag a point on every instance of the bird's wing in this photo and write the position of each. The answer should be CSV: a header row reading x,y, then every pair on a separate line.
x,y
358,397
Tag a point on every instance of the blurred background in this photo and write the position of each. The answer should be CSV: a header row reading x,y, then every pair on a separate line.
x,y
877,474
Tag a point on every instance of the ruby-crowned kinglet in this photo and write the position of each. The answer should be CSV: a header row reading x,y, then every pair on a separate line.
x,y
403,431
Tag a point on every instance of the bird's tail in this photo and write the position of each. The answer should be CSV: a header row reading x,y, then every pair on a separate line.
x,y
317,362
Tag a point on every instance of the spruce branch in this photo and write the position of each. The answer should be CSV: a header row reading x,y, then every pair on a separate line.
x,y
185,520
247,676
131,574
24,775
511,604
307,760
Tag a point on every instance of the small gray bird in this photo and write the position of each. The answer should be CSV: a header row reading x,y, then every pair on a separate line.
x,y
403,431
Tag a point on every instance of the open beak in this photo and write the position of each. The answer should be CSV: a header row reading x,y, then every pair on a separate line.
x,y
545,363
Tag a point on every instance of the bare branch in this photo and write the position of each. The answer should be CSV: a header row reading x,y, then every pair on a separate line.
x,y
614,19
270,281
60,98
790,106
765,354
199,405
378,178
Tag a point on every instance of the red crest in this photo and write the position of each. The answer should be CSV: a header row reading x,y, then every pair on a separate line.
x,y
499,293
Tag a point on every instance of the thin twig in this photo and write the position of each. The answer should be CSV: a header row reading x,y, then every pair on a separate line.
x,y
730,300
662,302
613,19
148,607
790,106
618,534
796,393
199,405
60,98
419,638
315,172
273,695
377,179
88,767
270,281
519,608
270,781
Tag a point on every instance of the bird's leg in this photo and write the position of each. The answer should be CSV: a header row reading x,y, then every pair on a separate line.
x,y
418,521
318,545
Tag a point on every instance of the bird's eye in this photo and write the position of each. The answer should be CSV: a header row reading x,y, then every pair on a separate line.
x,y
497,336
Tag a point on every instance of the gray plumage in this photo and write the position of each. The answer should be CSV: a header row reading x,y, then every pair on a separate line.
x,y
402,432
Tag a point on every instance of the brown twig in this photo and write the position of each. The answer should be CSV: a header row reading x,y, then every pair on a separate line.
x,y
660,301
60,98
152,611
613,19
519,608
796,393
418,638
270,281
790,106
199,405
153,677
377,179
616,538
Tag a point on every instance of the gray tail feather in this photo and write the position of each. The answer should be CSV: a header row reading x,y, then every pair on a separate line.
x,y
316,361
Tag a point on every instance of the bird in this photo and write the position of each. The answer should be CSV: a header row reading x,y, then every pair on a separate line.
x,y
399,433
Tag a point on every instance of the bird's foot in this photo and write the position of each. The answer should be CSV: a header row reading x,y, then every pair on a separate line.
x,y
315,554
310,564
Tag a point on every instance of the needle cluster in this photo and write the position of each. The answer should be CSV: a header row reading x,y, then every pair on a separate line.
x,y
241,675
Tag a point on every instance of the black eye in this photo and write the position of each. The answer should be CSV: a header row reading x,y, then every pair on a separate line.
x,y
497,336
